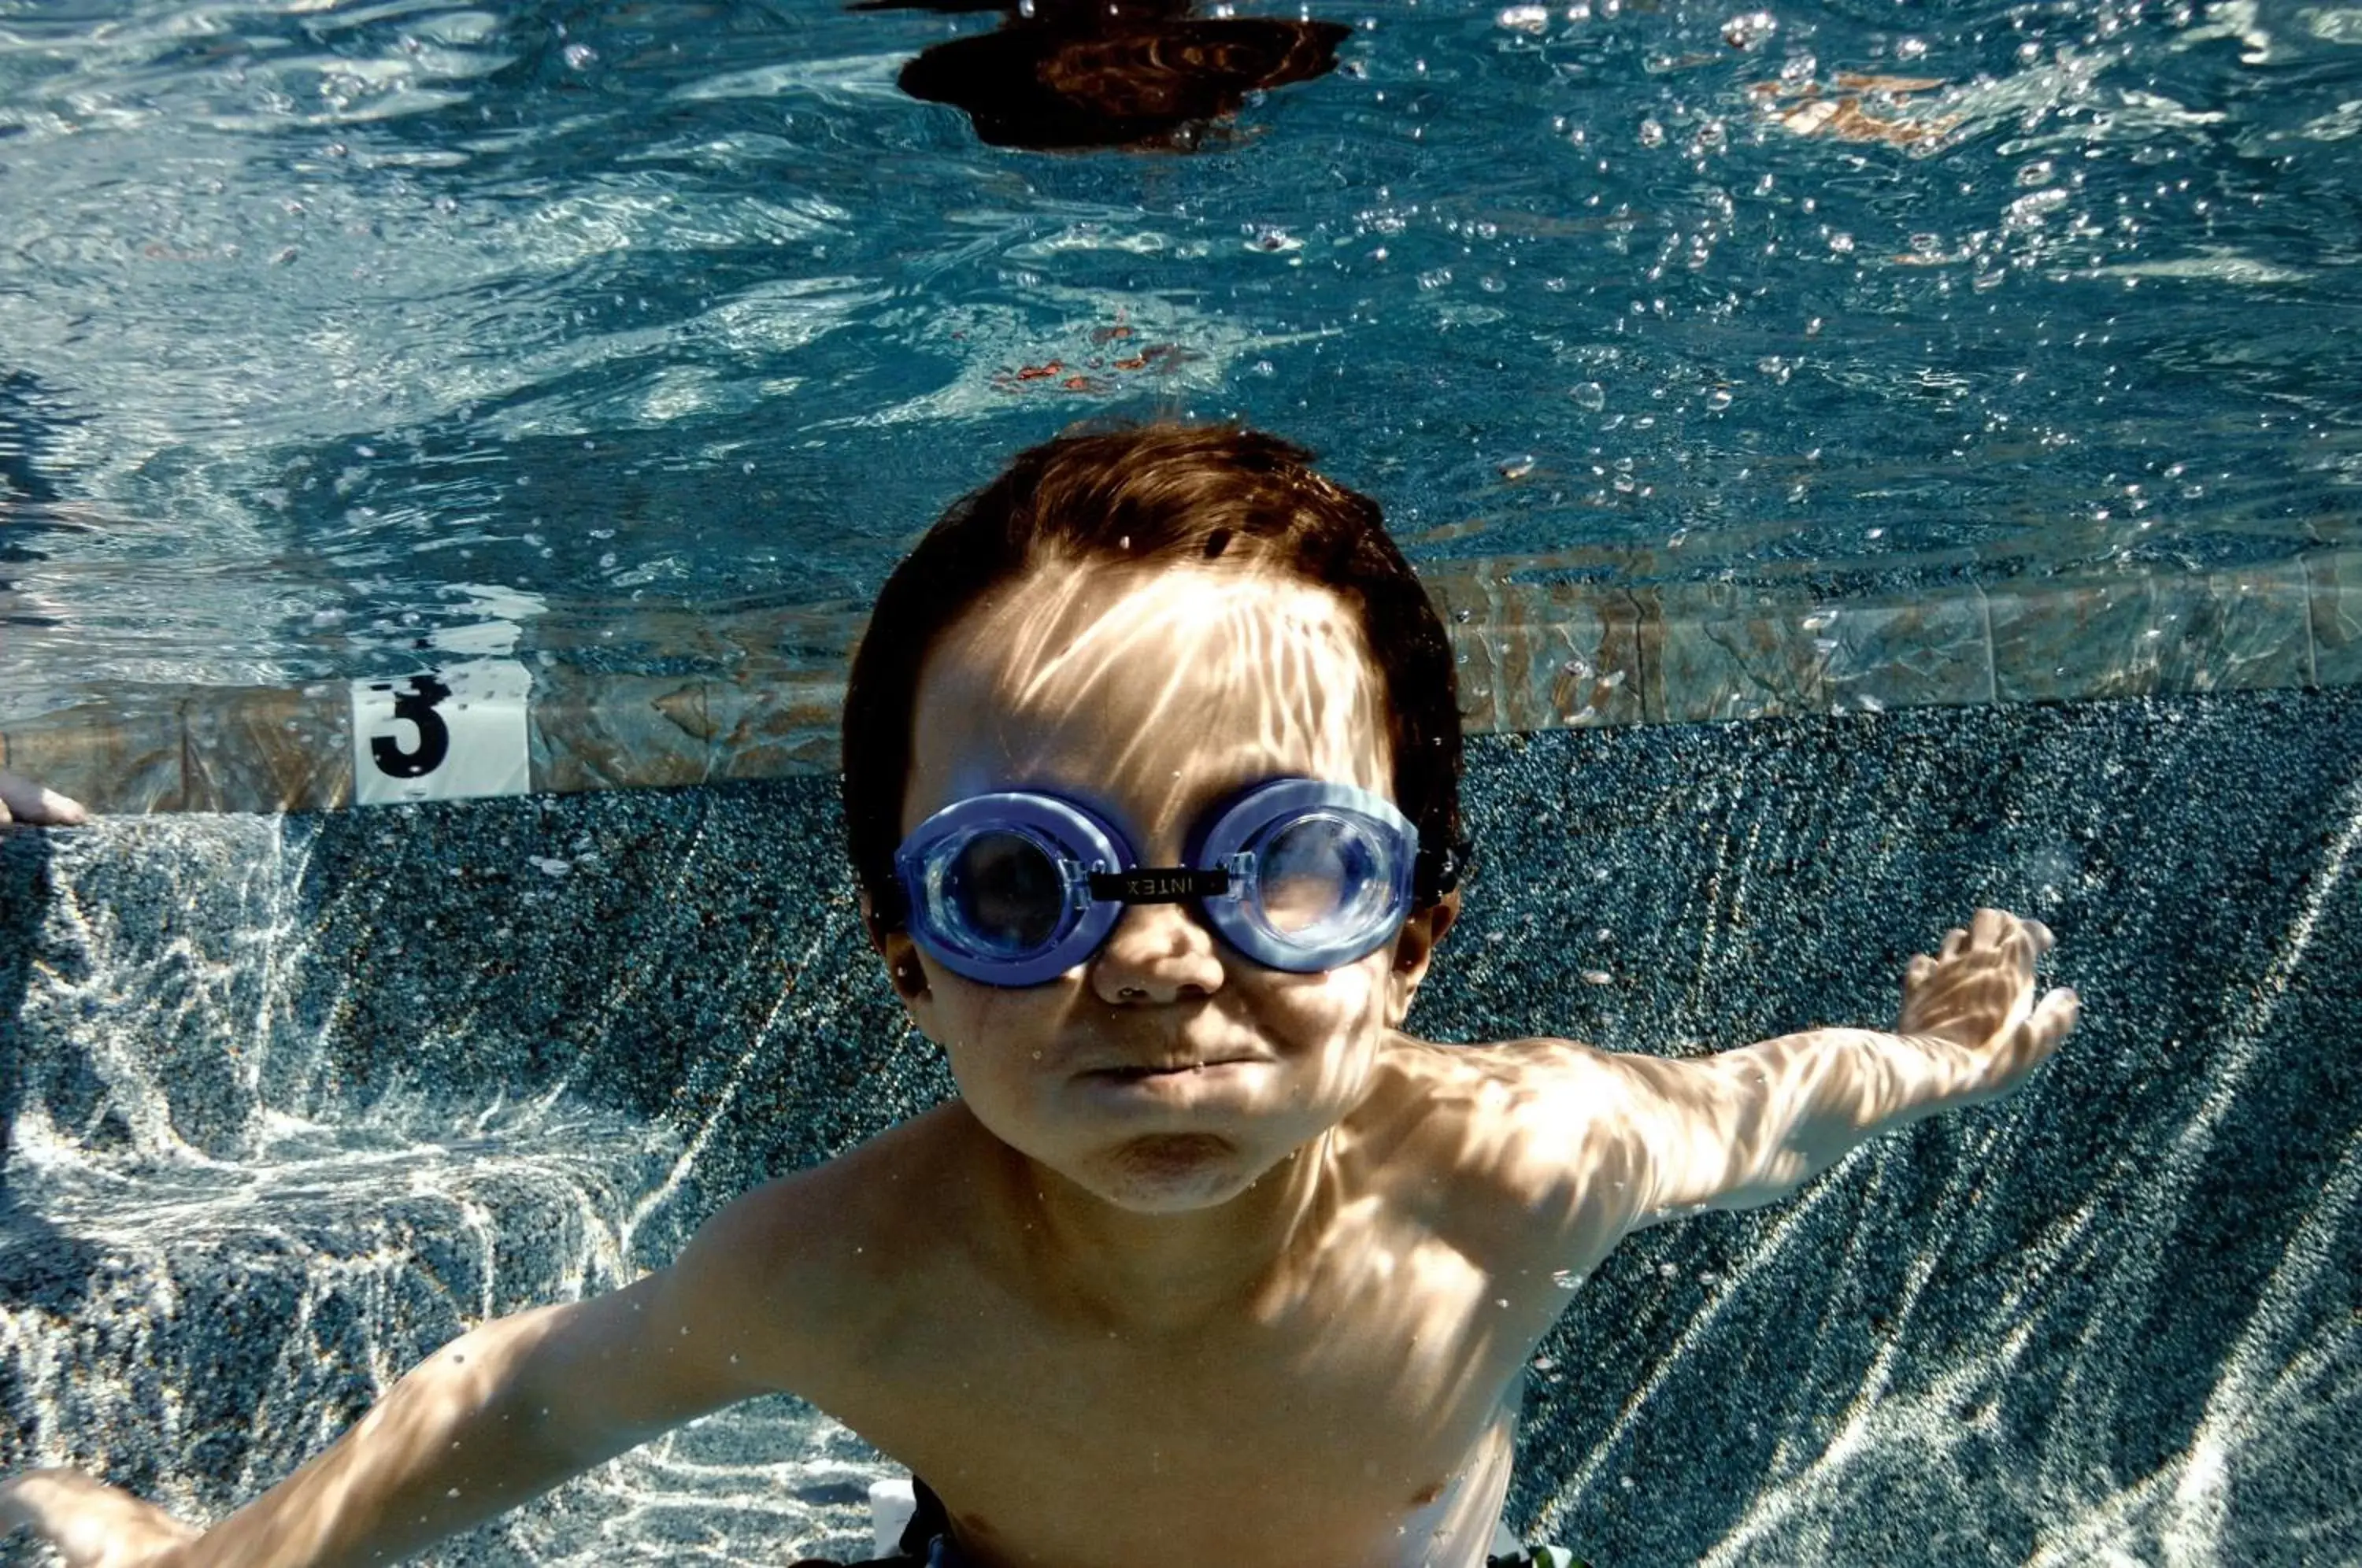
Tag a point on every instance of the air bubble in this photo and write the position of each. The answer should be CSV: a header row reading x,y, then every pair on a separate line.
x,y
1749,31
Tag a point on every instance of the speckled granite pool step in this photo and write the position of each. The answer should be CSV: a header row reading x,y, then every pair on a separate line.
x,y
1534,655
243,1312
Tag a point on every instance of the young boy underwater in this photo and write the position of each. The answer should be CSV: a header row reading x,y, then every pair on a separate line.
x,y
1151,771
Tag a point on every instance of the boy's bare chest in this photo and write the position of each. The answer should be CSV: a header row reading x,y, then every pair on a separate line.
x,y
1362,1392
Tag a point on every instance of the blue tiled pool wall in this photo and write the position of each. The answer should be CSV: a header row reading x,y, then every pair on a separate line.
x,y
293,1099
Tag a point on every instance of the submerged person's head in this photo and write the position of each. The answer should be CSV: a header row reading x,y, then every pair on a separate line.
x,y
1147,498
1171,648
1070,75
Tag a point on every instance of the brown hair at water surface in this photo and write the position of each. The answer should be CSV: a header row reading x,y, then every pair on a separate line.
x,y
1144,493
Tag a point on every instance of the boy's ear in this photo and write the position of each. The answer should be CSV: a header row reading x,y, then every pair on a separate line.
x,y
903,970
1414,948
901,954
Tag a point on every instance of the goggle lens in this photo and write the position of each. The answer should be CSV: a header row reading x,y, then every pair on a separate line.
x,y
1005,892
1319,878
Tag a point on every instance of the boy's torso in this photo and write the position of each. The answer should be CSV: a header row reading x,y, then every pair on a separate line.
x,y
1353,1407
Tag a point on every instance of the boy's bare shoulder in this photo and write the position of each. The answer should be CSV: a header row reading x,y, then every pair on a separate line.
x,y
1496,1074
888,1187
1532,1121
817,1257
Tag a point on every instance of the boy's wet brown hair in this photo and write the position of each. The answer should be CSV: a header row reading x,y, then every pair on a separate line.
x,y
1143,494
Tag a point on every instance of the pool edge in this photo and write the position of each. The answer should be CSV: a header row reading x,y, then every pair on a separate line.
x,y
1532,657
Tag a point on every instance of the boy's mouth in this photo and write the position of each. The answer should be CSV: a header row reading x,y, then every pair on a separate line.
x,y
1213,1082
1164,1070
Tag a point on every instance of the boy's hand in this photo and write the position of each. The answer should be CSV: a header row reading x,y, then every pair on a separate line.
x,y
90,1524
1977,992
22,801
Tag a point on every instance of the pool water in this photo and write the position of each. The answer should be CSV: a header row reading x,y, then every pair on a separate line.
x,y
326,330
636,340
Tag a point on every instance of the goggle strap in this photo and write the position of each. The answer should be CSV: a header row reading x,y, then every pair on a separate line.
x,y
1438,871
1159,885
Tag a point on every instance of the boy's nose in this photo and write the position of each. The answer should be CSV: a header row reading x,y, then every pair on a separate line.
x,y
1156,953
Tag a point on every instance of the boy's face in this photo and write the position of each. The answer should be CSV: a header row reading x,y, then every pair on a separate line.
x,y
1153,695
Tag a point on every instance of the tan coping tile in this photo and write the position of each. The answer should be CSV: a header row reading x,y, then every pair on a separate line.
x,y
2334,581
119,762
1588,658
1904,653
613,732
777,727
268,749
1476,655
1731,652
1480,593
2166,631
1529,657
2243,630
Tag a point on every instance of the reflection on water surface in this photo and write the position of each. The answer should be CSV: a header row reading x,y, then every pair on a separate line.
x,y
323,323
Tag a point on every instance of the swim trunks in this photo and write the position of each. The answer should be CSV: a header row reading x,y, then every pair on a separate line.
x,y
926,1542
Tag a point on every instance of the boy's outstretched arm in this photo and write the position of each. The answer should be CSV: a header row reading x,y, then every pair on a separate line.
x,y
501,1414
1750,1126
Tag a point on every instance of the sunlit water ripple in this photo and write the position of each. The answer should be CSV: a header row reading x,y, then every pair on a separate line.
x,y
318,323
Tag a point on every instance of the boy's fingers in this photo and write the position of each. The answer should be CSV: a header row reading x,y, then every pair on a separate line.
x,y
59,1502
1954,940
2054,1015
1916,971
21,1494
31,1497
90,1524
36,1497
2043,940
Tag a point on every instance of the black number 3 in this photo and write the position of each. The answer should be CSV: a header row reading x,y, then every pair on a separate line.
x,y
417,705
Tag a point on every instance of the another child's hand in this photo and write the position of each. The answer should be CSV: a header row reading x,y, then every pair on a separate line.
x,y
92,1525
1977,992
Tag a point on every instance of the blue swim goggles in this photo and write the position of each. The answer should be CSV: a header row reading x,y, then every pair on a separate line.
x,y
1018,888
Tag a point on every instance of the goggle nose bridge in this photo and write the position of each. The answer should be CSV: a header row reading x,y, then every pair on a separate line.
x,y
1173,884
